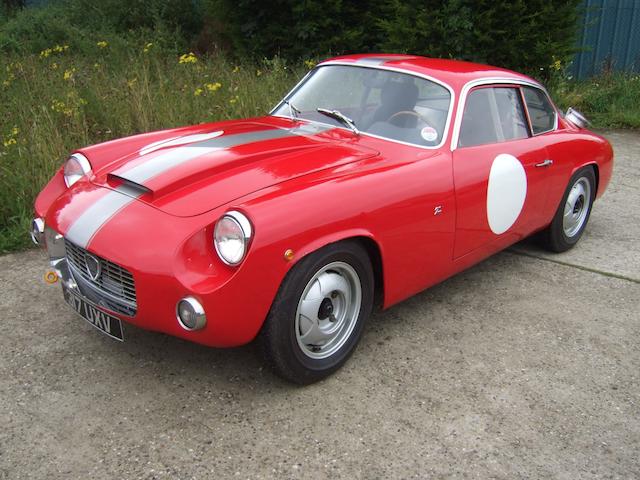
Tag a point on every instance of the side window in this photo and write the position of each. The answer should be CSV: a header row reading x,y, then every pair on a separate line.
x,y
477,126
541,112
492,115
513,121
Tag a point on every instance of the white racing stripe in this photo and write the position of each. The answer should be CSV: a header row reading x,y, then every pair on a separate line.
x,y
91,220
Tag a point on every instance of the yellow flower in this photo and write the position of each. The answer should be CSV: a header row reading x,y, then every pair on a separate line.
x,y
188,58
234,100
96,65
10,141
197,92
309,64
55,49
61,107
54,66
102,44
15,131
132,82
68,74
147,47
236,69
258,73
212,87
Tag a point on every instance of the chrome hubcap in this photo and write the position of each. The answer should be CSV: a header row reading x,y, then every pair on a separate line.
x,y
328,310
577,207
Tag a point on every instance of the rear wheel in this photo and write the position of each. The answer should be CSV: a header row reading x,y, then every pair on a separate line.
x,y
573,212
319,313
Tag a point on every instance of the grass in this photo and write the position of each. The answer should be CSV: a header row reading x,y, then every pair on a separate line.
x,y
610,100
57,101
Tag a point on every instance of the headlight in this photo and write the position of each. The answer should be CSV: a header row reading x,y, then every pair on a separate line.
x,y
231,237
76,167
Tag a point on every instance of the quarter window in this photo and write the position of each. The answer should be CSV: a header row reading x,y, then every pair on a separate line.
x,y
492,115
541,111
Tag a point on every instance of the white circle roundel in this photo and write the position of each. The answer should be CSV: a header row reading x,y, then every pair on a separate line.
x,y
506,192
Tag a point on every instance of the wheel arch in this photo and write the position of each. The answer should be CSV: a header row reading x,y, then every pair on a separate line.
x,y
596,172
367,241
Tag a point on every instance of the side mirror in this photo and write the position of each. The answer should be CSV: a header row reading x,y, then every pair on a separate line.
x,y
575,117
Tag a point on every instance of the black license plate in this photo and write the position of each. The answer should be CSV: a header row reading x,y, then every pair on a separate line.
x,y
104,322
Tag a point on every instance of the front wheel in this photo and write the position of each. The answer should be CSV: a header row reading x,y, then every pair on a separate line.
x,y
573,212
319,313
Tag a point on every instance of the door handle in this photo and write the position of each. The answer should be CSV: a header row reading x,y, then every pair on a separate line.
x,y
546,163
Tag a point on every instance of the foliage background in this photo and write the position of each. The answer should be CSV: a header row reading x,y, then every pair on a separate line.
x,y
77,72
525,35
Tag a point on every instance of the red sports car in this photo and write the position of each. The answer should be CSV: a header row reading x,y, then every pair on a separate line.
x,y
376,177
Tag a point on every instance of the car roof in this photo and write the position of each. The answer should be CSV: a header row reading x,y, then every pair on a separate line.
x,y
456,73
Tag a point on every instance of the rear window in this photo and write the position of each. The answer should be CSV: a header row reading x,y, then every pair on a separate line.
x,y
541,111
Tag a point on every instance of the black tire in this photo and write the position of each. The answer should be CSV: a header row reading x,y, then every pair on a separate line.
x,y
278,338
555,237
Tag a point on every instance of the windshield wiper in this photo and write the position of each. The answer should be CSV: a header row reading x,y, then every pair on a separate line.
x,y
293,111
341,117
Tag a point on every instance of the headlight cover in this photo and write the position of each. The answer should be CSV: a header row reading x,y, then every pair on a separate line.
x,y
232,235
76,167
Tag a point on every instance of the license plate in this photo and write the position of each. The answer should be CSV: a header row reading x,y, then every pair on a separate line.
x,y
104,322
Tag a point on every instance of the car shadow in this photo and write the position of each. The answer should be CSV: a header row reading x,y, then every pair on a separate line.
x,y
166,358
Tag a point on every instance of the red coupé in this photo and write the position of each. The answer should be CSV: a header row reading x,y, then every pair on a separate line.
x,y
376,177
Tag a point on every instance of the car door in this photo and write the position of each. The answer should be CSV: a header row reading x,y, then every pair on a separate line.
x,y
498,169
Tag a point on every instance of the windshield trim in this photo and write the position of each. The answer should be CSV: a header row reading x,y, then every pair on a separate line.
x,y
447,124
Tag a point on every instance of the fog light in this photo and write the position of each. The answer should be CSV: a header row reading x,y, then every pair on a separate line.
x,y
190,314
37,231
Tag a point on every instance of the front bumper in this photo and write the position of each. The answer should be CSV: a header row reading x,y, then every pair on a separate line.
x,y
159,287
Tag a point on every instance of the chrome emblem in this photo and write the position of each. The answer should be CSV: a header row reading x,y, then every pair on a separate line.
x,y
93,266
437,210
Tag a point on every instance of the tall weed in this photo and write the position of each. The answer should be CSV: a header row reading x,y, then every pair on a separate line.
x,y
58,100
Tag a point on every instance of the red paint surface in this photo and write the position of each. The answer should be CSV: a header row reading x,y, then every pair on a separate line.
x,y
302,193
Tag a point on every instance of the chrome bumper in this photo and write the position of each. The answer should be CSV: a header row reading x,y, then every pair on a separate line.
x,y
58,258
74,279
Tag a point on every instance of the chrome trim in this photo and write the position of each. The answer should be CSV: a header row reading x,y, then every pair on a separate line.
x,y
84,164
577,118
114,288
37,231
97,269
243,221
445,132
57,257
491,81
80,280
245,225
546,163
201,317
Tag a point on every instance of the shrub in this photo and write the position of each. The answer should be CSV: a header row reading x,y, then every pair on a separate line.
x,y
523,35
170,23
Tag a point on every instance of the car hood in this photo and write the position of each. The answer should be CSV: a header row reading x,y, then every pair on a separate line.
x,y
189,172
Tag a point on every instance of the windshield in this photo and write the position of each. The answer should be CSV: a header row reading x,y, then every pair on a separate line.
x,y
385,103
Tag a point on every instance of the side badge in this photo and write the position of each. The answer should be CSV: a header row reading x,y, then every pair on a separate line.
x,y
437,210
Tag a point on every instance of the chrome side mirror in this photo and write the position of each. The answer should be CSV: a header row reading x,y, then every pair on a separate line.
x,y
575,117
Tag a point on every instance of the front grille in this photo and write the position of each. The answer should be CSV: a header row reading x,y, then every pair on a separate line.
x,y
113,288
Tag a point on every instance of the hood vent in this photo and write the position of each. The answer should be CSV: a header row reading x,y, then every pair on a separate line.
x,y
127,186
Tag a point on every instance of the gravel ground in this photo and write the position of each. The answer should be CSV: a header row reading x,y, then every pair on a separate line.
x,y
525,366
